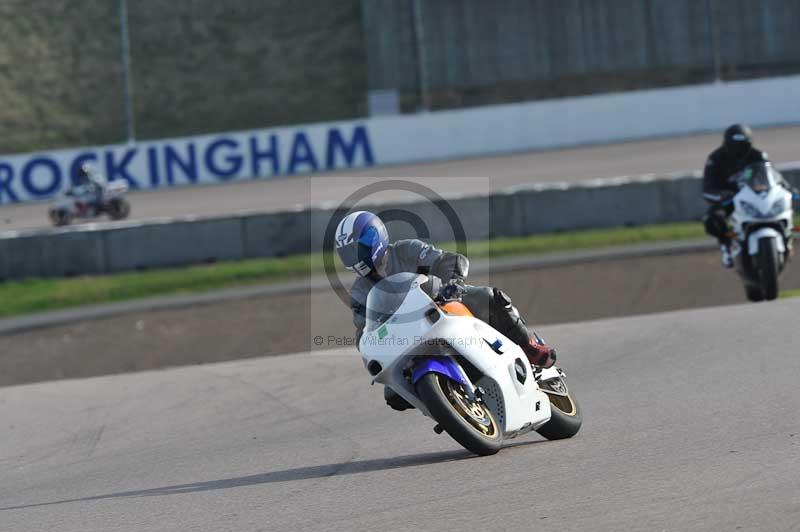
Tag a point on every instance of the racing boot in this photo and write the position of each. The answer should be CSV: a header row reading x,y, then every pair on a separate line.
x,y
508,320
394,401
727,259
538,353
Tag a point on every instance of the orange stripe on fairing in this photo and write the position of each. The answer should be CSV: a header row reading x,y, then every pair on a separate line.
x,y
455,308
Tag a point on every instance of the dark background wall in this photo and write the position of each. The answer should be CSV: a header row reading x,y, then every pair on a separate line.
x,y
197,66
201,66
210,65
60,76
467,53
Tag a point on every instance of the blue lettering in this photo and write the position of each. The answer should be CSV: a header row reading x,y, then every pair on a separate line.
x,y
80,160
302,154
55,177
6,175
256,155
233,161
188,166
120,169
337,143
152,166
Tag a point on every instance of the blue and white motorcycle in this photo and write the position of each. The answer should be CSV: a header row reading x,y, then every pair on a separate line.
x,y
763,224
473,381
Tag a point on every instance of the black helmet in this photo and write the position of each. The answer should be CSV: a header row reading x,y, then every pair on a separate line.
x,y
84,174
738,139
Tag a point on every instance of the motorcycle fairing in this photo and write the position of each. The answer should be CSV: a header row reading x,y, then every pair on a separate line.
x,y
764,232
442,365
451,336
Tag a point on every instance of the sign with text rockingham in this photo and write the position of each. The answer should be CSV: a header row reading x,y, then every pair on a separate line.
x,y
261,154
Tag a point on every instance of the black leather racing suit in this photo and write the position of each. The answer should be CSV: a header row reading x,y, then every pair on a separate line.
x,y
720,166
491,305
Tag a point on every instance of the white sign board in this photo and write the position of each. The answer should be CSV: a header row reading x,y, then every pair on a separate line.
x,y
260,154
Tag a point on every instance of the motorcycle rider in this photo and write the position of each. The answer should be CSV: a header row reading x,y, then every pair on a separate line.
x,y
88,188
362,243
736,153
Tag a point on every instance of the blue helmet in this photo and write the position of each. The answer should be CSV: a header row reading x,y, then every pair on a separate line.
x,y
361,240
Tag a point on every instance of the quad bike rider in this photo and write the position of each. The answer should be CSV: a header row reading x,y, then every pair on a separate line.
x,y
88,188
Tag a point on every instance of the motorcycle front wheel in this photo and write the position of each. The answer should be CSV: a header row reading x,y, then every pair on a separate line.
x,y
753,293
60,217
768,268
468,422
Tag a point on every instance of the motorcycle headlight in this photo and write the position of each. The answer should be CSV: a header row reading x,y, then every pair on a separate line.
x,y
750,209
778,207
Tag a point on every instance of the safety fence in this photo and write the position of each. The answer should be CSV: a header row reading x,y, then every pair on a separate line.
x,y
455,53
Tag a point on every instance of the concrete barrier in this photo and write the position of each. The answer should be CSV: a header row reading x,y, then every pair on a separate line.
x,y
111,248
587,206
263,235
52,255
173,244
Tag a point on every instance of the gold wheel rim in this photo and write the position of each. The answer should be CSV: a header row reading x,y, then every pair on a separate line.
x,y
564,403
469,411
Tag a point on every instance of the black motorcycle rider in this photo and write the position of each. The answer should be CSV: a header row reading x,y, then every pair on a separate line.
x,y
88,188
363,246
736,153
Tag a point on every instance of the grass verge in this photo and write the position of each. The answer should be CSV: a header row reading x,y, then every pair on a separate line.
x,y
37,295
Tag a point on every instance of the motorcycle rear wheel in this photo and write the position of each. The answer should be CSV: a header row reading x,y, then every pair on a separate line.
x,y
470,423
565,416
118,209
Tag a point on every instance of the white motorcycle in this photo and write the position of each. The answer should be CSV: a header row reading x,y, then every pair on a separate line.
x,y
763,224
77,204
473,381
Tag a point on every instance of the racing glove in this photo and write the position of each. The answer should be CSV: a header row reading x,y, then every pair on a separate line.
x,y
453,290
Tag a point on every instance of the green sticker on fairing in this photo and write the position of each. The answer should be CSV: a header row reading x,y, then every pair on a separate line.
x,y
382,332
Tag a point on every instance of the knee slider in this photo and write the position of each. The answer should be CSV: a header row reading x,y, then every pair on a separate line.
x,y
501,298
714,224
503,301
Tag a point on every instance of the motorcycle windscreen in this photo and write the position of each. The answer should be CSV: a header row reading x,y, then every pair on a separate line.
x,y
760,177
387,296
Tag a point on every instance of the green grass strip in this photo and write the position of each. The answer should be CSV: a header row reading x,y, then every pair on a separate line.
x,y
36,295
577,240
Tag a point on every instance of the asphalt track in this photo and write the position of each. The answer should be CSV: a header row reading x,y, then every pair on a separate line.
x,y
691,422
280,319
659,156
